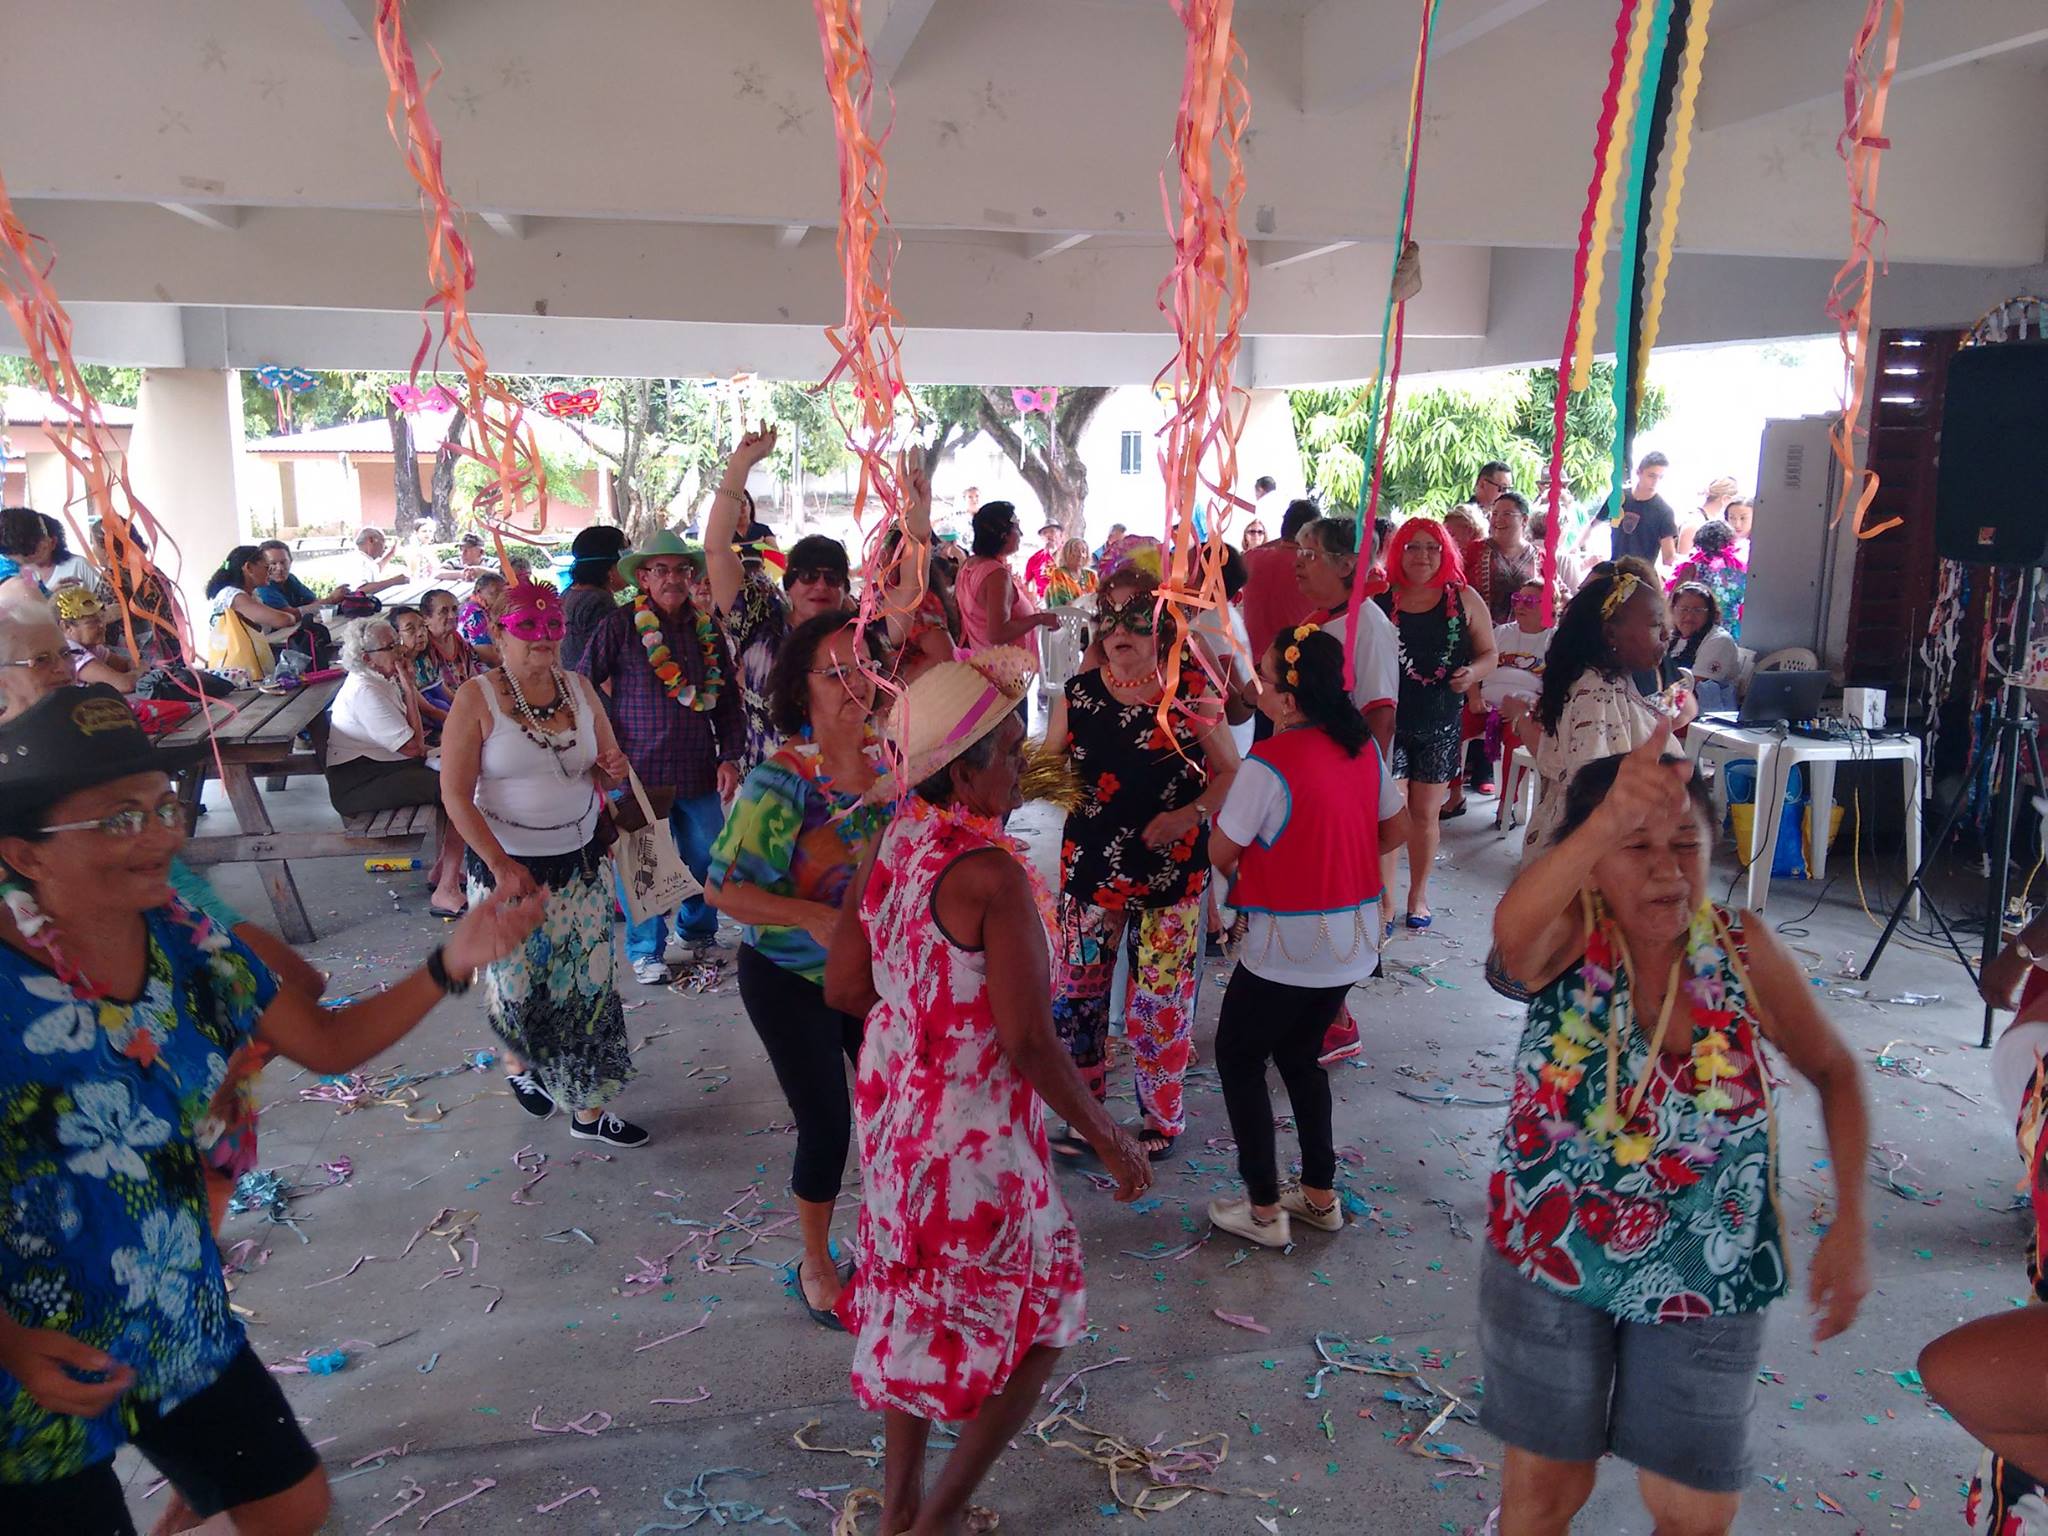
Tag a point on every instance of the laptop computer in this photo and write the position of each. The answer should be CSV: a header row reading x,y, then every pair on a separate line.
x,y
1779,698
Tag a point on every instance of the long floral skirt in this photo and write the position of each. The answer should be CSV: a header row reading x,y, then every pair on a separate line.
x,y
554,1001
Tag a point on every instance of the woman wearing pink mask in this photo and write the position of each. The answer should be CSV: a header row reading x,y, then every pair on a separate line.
x,y
526,756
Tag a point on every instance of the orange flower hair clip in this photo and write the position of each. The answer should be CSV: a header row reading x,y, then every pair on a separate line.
x,y
1292,655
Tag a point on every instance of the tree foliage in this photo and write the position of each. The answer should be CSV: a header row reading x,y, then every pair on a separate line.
x,y
1045,449
109,386
1443,434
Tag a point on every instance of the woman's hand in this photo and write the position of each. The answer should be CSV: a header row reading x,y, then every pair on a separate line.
x,y
1838,1281
1046,620
493,929
821,922
753,448
1461,680
2004,978
42,1360
513,880
613,767
1169,827
1126,1162
917,502
1647,789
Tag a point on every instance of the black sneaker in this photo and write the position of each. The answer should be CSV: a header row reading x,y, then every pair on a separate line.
x,y
609,1129
533,1098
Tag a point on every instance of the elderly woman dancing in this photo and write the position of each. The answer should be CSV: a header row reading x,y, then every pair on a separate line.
x,y
969,1279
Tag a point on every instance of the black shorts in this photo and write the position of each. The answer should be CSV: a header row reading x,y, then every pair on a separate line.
x,y
234,1443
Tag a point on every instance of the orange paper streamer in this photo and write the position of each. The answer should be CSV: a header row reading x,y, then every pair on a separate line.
x,y
1206,292
869,351
1866,85
503,440
82,437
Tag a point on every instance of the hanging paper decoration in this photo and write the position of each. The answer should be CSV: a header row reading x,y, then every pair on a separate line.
x,y
93,458
865,340
1866,86
1599,206
411,399
504,441
1029,400
1206,294
1393,331
296,380
1683,113
566,402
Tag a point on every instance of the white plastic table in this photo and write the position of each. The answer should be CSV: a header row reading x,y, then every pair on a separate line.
x,y
1776,753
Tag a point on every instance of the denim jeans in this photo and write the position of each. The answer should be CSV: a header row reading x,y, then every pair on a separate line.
x,y
695,824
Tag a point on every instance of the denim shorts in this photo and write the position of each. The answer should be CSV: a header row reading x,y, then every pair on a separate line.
x,y
1570,1382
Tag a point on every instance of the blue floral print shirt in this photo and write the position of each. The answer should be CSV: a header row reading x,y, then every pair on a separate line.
x,y
103,1218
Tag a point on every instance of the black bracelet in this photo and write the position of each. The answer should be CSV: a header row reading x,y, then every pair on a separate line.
x,y
437,972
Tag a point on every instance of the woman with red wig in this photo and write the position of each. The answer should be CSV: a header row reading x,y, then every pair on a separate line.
x,y
1446,649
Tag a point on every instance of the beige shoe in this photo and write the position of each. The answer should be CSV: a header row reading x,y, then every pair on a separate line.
x,y
1235,1217
1330,1219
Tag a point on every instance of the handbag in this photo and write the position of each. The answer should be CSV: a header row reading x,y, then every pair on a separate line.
x,y
652,875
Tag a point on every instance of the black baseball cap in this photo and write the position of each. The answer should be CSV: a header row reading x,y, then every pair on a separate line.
x,y
76,738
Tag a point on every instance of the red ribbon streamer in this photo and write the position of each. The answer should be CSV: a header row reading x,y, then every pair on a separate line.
x,y
1610,107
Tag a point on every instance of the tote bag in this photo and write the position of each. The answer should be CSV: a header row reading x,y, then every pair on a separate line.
x,y
651,873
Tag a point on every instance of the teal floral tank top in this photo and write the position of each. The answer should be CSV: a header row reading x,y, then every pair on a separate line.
x,y
1642,1179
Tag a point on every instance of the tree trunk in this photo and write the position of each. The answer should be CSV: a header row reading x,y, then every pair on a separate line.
x,y
442,508
1060,478
405,475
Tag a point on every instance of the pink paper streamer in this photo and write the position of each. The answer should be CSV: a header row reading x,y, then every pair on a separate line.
x,y
1241,1320
581,1426
548,1509
672,1337
483,1485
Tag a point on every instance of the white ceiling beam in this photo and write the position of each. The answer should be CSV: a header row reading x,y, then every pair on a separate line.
x,y
1045,247
351,23
1791,57
509,226
889,40
1351,52
225,217
790,236
1275,254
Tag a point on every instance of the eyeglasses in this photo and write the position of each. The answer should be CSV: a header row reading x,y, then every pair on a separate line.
x,y
1499,485
1137,616
838,674
664,568
379,650
130,822
826,574
40,659
1526,600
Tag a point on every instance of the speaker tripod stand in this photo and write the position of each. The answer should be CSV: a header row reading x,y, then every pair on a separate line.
x,y
2009,734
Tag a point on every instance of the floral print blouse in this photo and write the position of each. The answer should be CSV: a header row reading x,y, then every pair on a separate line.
x,y
1131,769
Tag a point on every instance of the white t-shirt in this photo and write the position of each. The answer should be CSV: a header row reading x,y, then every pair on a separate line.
x,y
1376,679
358,570
1520,669
367,719
1296,949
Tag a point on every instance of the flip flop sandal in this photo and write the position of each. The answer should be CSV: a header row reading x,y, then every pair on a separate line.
x,y
1450,813
1142,1133
1420,920
1070,1146
822,1316
981,1518
445,915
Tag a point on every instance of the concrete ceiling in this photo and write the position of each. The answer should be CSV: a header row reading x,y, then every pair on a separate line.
x,y
653,182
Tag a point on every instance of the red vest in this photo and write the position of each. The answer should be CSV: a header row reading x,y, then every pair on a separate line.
x,y
1326,857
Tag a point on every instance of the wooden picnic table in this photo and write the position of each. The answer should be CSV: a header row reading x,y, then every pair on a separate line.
x,y
250,736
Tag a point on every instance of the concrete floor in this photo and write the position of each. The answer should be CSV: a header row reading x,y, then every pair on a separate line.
x,y
541,1326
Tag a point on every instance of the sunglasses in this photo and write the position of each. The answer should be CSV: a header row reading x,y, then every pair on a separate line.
x,y
824,573
1521,600
129,823
1137,616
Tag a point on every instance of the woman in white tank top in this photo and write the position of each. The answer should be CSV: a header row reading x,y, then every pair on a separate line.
x,y
526,757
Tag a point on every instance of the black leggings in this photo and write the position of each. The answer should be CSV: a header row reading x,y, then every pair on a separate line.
x,y
805,1040
1271,1021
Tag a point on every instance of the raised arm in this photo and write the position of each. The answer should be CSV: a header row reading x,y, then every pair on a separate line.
x,y
722,567
907,583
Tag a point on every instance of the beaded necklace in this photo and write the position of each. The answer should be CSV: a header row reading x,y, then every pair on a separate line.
x,y
529,719
701,697
1454,612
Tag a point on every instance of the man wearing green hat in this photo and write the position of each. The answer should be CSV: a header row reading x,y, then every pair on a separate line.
x,y
670,689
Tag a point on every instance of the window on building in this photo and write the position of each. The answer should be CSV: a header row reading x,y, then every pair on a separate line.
x,y
1134,453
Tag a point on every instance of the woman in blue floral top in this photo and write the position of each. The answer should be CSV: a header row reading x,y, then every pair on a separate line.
x,y
124,1007
792,842
1632,1212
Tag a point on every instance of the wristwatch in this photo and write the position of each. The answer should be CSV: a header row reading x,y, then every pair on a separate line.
x,y
437,970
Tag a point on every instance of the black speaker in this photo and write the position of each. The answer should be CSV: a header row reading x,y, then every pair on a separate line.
x,y
1994,430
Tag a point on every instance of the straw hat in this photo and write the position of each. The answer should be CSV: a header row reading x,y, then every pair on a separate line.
x,y
951,706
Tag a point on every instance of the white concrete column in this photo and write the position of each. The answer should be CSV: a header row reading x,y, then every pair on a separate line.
x,y
184,460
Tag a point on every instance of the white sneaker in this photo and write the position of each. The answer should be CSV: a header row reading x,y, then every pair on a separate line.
x,y
650,973
1296,1205
1235,1217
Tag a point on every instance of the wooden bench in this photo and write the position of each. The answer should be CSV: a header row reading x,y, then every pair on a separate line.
x,y
254,735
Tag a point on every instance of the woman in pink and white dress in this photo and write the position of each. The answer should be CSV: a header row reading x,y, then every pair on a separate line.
x,y
968,1279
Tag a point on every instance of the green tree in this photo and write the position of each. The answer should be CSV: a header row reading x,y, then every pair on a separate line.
x,y
109,386
1443,434
952,417
1045,448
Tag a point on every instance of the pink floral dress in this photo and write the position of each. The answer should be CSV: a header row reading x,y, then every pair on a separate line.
x,y
967,1255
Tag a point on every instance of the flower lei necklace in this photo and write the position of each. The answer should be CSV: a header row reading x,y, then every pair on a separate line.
x,y
132,1037
1454,632
993,832
702,697
1593,1020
